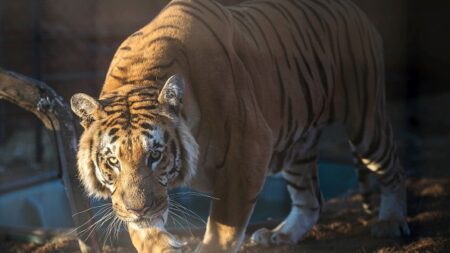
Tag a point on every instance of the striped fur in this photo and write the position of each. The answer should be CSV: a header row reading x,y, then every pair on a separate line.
x,y
261,80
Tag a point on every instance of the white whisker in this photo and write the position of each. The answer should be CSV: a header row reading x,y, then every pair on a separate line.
x,y
192,193
91,208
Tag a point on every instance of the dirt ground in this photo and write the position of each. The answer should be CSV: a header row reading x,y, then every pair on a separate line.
x,y
343,226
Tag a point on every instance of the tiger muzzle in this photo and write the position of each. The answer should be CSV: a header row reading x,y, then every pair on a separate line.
x,y
139,200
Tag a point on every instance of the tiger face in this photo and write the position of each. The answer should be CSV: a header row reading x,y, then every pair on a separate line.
x,y
134,148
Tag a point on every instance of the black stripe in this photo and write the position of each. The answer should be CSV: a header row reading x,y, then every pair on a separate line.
x,y
306,95
301,206
179,147
254,199
140,90
317,41
221,164
147,126
306,160
122,68
296,187
211,11
276,7
249,31
114,139
363,115
387,175
163,66
384,166
219,7
121,79
151,101
164,39
292,173
144,116
110,112
205,23
322,72
353,63
120,102
290,116
280,41
108,123
113,131
314,11
280,79
147,134
319,64
280,137
263,35
374,144
291,141
148,107
321,67
224,49
283,90
162,27
395,179
301,73
173,146
91,146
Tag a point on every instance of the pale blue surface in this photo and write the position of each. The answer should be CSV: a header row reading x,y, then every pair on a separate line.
x,y
44,205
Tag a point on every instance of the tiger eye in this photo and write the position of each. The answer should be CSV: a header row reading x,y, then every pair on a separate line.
x,y
155,155
113,161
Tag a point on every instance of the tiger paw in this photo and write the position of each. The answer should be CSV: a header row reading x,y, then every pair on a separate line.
x,y
266,237
390,228
155,240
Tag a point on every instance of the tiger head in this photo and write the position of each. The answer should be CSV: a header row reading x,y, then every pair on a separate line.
x,y
135,146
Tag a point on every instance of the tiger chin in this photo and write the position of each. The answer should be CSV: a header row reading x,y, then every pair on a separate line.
x,y
219,97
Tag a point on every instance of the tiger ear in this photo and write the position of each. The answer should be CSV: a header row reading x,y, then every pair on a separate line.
x,y
172,92
85,107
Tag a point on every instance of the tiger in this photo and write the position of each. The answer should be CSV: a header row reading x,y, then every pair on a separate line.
x,y
217,98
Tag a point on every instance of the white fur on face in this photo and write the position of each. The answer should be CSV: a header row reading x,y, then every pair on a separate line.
x,y
105,144
149,144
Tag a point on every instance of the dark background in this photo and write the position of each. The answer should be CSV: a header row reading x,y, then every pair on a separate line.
x,y
68,44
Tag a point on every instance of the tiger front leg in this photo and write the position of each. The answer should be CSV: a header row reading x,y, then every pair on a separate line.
x,y
303,187
306,205
236,188
154,240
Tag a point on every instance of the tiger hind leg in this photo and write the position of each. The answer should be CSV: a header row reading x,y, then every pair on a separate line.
x,y
376,151
303,188
366,183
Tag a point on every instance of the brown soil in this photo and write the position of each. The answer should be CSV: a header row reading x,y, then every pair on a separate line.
x,y
343,227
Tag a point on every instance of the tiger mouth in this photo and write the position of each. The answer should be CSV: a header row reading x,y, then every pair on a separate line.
x,y
154,219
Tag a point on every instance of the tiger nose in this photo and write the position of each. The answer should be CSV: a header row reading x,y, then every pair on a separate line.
x,y
139,212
